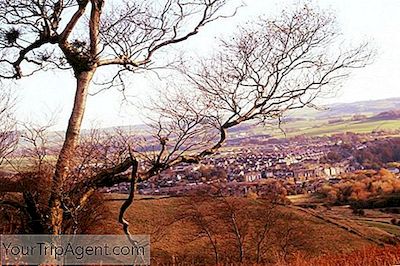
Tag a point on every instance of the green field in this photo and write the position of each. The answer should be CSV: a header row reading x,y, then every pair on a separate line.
x,y
20,164
390,228
322,127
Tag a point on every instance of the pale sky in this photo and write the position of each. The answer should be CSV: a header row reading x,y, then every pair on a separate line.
x,y
377,21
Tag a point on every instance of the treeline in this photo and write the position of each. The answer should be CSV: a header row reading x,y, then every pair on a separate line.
x,y
378,153
363,188
387,203
371,155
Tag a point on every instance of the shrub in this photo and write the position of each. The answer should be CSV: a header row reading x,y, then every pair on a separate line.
x,y
359,212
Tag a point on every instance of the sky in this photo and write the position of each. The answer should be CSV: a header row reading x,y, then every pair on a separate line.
x,y
49,95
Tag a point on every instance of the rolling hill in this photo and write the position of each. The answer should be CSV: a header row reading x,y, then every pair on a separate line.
x,y
372,107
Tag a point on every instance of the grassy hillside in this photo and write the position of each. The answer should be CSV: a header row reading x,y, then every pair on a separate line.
x,y
316,234
319,127
344,109
301,236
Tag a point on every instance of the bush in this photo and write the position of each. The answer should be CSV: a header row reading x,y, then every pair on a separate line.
x,y
359,212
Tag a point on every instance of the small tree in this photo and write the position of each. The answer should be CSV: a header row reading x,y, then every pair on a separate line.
x,y
264,219
8,134
236,217
201,211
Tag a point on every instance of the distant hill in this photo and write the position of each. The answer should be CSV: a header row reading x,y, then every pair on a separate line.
x,y
373,107
363,116
388,115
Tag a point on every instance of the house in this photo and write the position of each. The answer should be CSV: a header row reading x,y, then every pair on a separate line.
x,y
252,176
394,170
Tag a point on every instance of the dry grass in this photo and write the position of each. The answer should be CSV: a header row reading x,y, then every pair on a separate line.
x,y
175,240
369,256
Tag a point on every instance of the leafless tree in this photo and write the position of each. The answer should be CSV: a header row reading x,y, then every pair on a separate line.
x,y
289,236
201,210
251,228
8,133
264,219
268,68
236,217
275,66
264,71
221,220
36,146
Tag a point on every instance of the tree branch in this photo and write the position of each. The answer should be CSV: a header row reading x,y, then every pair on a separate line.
x,y
73,21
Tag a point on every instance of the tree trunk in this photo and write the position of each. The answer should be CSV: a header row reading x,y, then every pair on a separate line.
x,y
238,237
260,240
65,159
215,254
258,251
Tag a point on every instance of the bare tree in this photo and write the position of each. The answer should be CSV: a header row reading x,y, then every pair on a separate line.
x,y
289,236
36,146
201,210
250,228
236,217
8,133
268,68
275,66
264,219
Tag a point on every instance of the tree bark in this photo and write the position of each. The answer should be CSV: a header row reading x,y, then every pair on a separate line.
x,y
215,254
65,159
